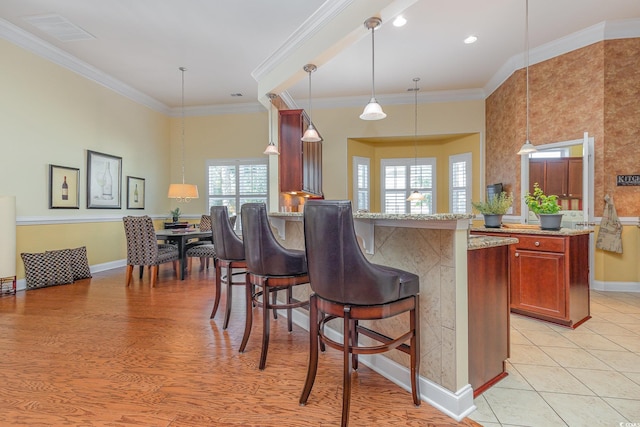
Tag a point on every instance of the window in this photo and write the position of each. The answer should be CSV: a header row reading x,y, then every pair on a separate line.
x,y
460,183
233,183
361,185
400,177
546,154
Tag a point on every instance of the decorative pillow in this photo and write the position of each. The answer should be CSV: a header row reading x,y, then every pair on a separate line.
x,y
79,263
58,265
35,269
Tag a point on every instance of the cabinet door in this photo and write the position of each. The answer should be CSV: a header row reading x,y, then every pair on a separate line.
x,y
312,167
290,150
538,282
556,177
574,180
536,173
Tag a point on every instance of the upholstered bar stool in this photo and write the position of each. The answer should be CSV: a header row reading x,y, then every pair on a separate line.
x,y
272,268
346,285
229,255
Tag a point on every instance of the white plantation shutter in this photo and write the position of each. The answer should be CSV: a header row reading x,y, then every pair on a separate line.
x,y
361,186
400,177
460,183
233,183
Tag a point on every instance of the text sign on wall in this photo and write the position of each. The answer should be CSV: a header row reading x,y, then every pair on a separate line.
x,y
625,180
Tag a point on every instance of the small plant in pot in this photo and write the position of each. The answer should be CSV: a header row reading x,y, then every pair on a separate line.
x,y
545,207
494,208
175,214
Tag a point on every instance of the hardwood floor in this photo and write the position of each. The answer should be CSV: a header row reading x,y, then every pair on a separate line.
x,y
95,353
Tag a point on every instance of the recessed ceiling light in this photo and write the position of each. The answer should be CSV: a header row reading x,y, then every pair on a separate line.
x,y
471,39
236,94
399,21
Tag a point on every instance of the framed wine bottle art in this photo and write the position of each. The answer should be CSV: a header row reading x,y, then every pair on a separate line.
x,y
64,188
104,180
135,192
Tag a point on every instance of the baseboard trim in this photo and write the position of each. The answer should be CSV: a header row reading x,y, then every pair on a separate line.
x,y
457,404
599,285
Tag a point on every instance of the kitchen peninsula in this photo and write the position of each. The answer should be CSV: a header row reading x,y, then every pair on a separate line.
x,y
435,247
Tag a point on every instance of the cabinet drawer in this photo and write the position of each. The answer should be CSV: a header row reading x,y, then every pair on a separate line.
x,y
540,243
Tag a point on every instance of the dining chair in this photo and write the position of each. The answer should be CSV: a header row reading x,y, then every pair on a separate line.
x,y
204,248
346,285
271,268
229,250
143,248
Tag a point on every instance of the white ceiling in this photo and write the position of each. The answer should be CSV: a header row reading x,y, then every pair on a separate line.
x,y
139,45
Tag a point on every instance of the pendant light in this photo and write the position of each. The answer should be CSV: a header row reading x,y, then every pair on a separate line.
x,y
415,196
527,147
373,110
311,134
271,150
183,192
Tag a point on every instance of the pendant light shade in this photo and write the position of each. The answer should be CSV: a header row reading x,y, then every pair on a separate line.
x,y
373,110
271,149
415,196
527,147
183,192
311,134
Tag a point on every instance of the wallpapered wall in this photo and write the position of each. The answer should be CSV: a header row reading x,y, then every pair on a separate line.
x,y
595,89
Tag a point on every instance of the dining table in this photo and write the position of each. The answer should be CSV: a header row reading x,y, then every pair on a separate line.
x,y
181,237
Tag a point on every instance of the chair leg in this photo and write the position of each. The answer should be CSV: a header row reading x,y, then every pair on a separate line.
x,y
227,309
154,274
290,310
218,288
128,275
203,261
354,343
414,324
141,271
312,368
249,313
274,301
266,326
346,360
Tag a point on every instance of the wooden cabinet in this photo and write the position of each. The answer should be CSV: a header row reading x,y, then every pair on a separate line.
x,y
549,277
562,177
300,162
488,287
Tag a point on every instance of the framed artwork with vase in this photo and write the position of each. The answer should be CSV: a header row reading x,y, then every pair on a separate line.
x,y
64,187
104,178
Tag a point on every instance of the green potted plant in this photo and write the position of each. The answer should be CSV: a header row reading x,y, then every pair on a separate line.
x,y
494,208
175,214
545,207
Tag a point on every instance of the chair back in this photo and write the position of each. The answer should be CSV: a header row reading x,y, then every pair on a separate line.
x,y
205,223
338,270
264,254
228,245
142,244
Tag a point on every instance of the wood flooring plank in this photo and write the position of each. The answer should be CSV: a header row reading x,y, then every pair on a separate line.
x,y
96,353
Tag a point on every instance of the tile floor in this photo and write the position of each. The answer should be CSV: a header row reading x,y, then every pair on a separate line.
x,y
589,376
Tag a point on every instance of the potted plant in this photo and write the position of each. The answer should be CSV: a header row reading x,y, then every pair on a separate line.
x,y
494,208
545,207
175,214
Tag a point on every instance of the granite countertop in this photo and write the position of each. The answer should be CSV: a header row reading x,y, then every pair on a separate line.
x,y
529,230
482,242
372,215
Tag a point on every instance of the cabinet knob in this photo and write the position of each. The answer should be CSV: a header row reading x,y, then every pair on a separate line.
x,y
537,243
517,254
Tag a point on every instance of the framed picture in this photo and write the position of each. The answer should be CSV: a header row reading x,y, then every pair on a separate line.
x,y
64,188
104,178
135,192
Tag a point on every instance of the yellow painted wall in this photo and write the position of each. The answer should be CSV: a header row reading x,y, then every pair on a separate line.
x,y
624,267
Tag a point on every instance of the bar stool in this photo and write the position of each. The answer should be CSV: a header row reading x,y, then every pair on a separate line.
x,y
272,268
229,254
346,285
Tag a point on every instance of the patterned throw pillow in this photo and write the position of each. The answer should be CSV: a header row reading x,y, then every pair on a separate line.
x,y
58,265
35,270
79,263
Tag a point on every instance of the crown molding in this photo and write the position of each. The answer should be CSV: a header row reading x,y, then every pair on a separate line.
x,y
606,30
33,44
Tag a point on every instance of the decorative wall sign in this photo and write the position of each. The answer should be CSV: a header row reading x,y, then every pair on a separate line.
x,y
64,188
628,180
104,178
